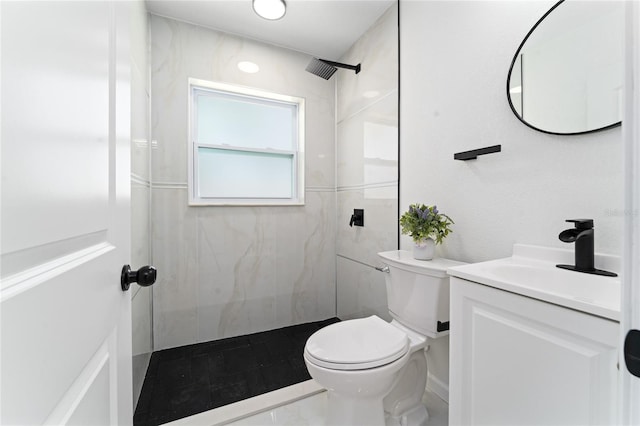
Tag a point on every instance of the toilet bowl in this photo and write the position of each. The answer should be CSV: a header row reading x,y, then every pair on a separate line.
x,y
359,362
375,371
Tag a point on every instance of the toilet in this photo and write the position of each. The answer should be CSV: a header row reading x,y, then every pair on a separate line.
x,y
375,371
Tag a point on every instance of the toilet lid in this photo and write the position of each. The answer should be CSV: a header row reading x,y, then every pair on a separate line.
x,y
356,344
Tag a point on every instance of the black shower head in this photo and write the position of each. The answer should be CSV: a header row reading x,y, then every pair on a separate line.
x,y
325,69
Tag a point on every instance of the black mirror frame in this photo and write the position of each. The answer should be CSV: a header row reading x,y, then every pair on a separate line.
x,y
513,61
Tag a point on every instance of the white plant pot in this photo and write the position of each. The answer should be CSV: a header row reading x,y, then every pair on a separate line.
x,y
424,249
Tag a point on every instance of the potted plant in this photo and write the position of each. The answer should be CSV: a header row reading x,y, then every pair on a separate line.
x,y
427,227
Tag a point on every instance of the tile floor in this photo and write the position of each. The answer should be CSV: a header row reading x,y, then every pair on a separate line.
x,y
187,380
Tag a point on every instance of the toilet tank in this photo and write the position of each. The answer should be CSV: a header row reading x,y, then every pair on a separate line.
x,y
418,290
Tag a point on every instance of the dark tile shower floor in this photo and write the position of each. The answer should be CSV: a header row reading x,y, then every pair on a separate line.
x,y
191,379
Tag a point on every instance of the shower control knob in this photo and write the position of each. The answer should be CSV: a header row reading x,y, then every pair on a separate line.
x,y
144,276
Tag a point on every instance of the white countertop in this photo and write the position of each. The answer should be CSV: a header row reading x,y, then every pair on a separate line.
x,y
532,272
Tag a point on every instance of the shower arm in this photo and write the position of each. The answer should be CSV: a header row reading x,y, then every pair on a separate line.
x,y
356,68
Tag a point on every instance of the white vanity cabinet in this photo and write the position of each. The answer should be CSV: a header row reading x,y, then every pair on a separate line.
x,y
516,360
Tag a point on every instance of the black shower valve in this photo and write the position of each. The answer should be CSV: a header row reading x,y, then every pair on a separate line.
x,y
357,218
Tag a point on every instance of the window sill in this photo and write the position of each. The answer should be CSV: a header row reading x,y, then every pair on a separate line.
x,y
245,203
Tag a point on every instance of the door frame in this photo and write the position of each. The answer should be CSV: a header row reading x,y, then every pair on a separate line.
x,y
630,289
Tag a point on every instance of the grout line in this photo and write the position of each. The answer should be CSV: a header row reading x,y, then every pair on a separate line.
x,y
377,101
364,186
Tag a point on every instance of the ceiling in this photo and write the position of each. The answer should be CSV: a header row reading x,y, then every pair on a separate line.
x,y
321,28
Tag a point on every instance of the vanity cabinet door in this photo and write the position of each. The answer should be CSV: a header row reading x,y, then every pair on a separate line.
x,y
520,361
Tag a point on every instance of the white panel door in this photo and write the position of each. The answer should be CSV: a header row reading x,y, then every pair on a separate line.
x,y
65,322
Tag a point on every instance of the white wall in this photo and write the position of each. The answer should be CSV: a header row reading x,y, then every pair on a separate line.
x,y
367,168
455,56
140,188
227,271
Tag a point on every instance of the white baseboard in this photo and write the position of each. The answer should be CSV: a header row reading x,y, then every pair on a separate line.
x,y
438,387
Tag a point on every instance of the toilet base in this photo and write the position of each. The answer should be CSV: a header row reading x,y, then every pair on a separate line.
x,y
355,397
403,405
417,416
345,411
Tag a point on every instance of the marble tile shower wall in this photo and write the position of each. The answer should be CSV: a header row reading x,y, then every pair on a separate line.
x,y
140,190
228,271
367,168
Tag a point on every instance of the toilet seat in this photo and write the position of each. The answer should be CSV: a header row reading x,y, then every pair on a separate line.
x,y
356,344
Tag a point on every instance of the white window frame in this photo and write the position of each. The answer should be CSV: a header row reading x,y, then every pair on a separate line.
x,y
298,154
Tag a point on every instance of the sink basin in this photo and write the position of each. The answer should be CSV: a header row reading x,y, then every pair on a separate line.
x,y
533,273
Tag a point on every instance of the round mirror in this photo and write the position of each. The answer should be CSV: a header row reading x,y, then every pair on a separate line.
x,y
566,77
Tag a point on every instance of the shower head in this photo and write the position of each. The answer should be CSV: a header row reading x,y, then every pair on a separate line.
x,y
325,69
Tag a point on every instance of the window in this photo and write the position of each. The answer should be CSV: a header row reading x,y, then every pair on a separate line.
x,y
246,146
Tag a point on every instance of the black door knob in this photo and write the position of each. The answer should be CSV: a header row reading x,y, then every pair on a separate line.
x,y
632,352
144,276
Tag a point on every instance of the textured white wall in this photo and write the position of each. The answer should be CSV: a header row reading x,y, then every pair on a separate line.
x,y
455,56
227,271
454,60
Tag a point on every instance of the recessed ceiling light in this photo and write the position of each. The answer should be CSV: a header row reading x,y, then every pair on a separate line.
x,y
248,67
269,9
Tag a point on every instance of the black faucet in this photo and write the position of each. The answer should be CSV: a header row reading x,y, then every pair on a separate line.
x,y
582,235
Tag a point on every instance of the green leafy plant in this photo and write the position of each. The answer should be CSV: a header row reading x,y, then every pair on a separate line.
x,y
422,222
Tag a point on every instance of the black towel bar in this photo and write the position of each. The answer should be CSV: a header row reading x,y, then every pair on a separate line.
x,y
473,154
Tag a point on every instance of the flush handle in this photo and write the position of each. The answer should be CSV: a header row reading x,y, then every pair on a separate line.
x,y
382,269
144,276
